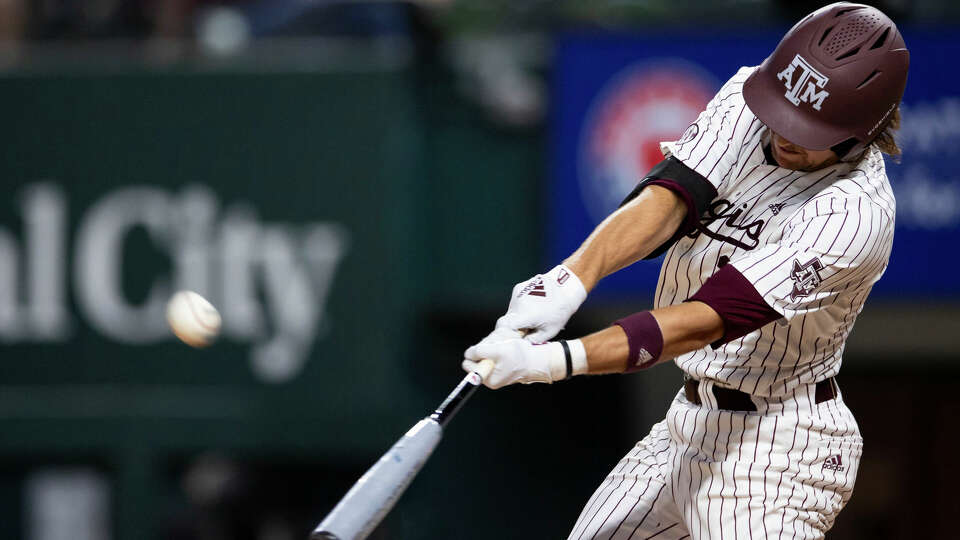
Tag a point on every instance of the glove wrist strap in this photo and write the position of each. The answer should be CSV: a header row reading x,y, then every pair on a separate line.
x,y
574,357
568,360
569,283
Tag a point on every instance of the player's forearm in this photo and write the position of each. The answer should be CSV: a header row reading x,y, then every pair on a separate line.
x,y
628,235
685,327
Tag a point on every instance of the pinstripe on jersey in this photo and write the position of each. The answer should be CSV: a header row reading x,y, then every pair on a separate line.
x,y
812,244
707,473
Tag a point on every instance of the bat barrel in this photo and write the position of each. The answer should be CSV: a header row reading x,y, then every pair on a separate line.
x,y
375,493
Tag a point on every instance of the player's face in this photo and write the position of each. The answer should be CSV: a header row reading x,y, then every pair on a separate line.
x,y
798,158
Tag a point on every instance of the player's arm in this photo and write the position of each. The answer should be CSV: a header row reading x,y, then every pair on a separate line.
x,y
665,205
670,199
826,248
807,270
726,308
631,233
679,329
684,327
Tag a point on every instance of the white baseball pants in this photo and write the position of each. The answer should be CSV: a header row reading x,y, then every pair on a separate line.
x,y
703,473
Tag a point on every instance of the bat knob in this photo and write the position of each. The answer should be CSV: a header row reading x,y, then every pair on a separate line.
x,y
485,368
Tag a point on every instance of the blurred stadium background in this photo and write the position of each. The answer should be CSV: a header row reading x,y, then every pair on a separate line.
x,y
357,185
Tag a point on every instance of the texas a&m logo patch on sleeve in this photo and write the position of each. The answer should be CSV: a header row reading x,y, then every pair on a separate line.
x,y
806,277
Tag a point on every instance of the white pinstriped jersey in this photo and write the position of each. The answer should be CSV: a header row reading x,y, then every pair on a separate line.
x,y
811,243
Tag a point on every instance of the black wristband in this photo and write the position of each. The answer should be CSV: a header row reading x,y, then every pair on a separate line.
x,y
568,358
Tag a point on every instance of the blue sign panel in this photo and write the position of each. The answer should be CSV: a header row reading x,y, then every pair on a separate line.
x,y
616,97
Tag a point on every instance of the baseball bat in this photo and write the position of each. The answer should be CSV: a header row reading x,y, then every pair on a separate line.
x,y
375,493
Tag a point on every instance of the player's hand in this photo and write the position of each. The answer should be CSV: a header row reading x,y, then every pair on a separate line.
x,y
500,334
518,360
540,306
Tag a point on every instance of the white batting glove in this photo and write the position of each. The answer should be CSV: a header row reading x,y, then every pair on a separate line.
x,y
499,334
541,306
518,360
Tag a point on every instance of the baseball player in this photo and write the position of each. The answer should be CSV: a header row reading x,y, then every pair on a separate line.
x,y
776,217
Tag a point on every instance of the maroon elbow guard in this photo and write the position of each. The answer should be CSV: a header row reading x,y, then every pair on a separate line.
x,y
645,340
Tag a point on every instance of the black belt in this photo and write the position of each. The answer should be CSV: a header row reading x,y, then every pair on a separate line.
x,y
735,400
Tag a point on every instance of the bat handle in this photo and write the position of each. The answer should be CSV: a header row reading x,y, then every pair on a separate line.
x,y
462,392
485,368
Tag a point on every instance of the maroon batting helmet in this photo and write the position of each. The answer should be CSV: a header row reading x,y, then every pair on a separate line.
x,y
834,79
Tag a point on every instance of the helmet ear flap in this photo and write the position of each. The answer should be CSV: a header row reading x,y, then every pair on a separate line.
x,y
848,149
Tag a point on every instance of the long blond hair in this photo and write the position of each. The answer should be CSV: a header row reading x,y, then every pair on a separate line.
x,y
886,141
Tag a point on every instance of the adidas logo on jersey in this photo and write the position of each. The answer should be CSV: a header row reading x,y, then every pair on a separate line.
x,y
534,288
834,463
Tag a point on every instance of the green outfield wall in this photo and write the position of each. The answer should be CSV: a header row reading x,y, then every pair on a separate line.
x,y
326,214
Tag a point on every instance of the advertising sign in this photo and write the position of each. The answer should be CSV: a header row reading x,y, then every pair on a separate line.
x,y
278,197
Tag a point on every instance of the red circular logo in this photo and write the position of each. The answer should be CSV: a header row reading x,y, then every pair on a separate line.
x,y
640,107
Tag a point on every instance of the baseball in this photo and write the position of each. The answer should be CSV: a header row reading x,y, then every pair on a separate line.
x,y
193,319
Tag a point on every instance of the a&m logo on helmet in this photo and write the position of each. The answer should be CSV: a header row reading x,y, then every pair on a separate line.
x,y
804,83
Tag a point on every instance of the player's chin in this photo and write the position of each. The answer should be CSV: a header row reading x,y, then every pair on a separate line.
x,y
794,161
786,164
801,166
